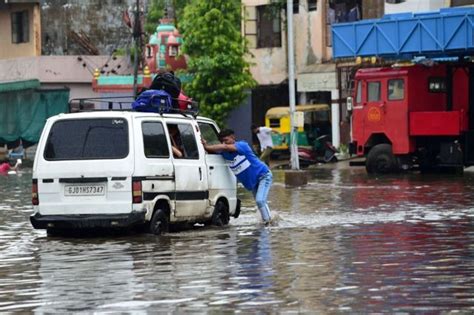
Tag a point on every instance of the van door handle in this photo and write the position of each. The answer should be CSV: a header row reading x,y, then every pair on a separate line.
x,y
211,167
200,174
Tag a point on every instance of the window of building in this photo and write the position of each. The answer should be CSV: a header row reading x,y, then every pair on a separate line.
x,y
312,5
148,51
250,25
396,89
268,27
373,91
20,27
154,140
173,51
458,3
296,6
340,11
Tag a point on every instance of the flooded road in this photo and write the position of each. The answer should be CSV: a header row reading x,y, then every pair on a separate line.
x,y
346,243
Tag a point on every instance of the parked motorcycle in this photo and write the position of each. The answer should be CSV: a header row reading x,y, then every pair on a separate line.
x,y
324,152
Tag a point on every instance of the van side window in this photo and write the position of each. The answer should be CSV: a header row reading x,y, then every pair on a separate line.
x,y
373,91
154,140
396,89
209,133
183,138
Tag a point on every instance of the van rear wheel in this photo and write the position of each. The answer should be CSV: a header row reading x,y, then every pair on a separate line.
x,y
159,223
381,160
220,216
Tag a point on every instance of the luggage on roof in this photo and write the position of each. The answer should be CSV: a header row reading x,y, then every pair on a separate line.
x,y
157,101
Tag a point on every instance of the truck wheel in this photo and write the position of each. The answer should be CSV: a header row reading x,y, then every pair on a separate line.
x,y
381,160
220,216
159,223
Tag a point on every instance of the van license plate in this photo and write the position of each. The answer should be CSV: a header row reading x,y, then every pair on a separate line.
x,y
84,190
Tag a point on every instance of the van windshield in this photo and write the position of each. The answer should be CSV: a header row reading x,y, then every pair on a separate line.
x,y
83,139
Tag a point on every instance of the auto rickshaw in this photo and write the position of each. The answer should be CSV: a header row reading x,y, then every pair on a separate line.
x,y
317,123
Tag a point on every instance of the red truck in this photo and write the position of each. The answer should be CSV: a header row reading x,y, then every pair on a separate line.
x,y
411,116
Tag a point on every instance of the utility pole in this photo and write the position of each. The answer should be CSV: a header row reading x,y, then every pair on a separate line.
x,y
136,39
295,163
293,177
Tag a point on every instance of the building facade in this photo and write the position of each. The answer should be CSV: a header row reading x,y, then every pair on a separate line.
x,y
92,27
62,42
319,79
20,28
264,26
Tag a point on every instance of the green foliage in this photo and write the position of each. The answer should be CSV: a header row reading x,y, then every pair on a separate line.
x,y
155,12
119,52
178,6
216,51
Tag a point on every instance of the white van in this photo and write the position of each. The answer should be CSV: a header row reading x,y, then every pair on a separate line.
x,y
116,169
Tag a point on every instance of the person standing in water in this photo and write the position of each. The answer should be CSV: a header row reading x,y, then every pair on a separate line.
x,y
264,135
249,170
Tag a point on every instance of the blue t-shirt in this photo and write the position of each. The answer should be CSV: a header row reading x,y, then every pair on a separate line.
x,y
246,166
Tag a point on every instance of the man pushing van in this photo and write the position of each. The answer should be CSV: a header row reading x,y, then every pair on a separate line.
x,y
247,167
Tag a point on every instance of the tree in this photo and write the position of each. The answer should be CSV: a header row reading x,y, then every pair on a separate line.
x,y
216,51
156,11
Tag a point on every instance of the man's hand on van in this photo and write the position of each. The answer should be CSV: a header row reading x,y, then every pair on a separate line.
x,y
206,146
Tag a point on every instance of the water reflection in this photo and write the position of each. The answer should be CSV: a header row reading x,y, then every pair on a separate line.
x,y
72,271
346,243
407,267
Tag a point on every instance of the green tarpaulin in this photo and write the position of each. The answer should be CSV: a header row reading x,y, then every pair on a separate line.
x,y
24,109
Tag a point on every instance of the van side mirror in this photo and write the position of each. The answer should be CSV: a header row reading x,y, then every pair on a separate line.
x,y
350,103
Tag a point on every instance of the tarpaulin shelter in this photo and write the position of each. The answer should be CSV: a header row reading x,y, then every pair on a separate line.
x,y
24,108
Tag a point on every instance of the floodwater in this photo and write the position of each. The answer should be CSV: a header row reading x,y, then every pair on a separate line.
x,y
345,243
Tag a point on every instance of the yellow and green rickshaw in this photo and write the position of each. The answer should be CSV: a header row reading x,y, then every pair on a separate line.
x,y
317,123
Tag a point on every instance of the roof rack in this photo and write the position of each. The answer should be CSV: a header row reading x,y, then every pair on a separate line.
x,y
123,103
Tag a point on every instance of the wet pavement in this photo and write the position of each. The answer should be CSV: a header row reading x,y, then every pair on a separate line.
x,y
345,243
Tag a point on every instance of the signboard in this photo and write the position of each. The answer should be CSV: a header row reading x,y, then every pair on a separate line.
x,y
299,119
313,82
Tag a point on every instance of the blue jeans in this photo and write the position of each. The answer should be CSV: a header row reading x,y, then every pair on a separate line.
x,y
261,193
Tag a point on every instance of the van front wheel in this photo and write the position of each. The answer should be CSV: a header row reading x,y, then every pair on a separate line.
x,y
220,216
159,223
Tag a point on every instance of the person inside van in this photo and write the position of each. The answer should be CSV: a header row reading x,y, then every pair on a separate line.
x,y
247,167
175,141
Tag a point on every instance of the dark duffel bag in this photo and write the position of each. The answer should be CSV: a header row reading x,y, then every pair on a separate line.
x,y
167,82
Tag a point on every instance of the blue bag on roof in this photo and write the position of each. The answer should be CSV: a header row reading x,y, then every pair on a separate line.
x,y
156,101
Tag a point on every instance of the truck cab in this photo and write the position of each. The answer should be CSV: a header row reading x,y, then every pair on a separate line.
x,y
411,115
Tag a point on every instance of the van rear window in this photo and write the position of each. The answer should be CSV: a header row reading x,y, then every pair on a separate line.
x,y
85,139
